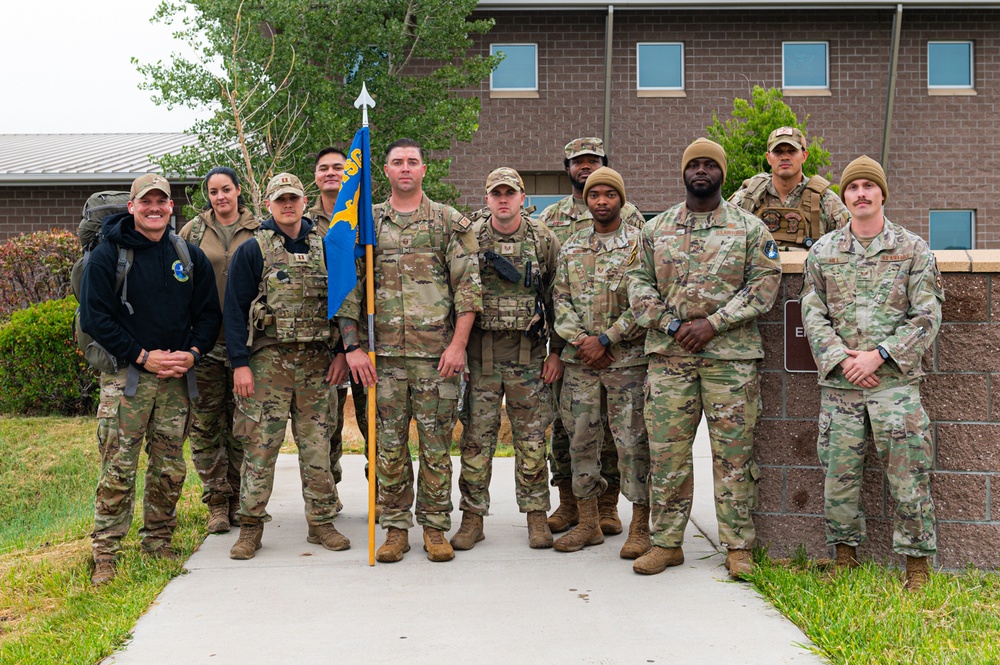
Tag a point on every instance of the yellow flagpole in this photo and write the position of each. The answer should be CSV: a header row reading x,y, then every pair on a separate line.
x,y
370,293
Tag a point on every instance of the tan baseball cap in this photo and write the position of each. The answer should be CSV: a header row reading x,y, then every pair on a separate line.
x,y
585,146
147,183
793,136
284,183
504,176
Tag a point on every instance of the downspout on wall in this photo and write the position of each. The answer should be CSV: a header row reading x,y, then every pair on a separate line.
x,y
608,39
897,27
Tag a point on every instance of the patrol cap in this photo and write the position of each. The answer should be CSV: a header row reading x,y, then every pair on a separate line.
x,y
284,183
504,176
585,146
147,183
793,136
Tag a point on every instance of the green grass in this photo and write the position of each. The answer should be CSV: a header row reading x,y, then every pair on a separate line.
x,y
865,616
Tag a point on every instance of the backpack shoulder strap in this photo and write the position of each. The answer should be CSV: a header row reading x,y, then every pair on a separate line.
x,y
755,187
121,275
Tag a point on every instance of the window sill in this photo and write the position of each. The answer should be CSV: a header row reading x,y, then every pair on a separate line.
x,y
661,93
513,94
806,92
951,92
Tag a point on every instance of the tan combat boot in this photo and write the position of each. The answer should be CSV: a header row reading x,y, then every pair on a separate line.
x,y
638,542
566,514
587,532
104,570
327,535
469,533
218,514
607,506
658,559
397,543
437,548
251,530
234,506
739,563
539,535
917,573
847,556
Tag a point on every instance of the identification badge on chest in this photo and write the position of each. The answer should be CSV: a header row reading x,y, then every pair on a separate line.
x,y
508,248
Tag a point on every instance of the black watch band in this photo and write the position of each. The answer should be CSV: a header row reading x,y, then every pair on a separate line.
x,y
351,347
673,327
604,340
882,352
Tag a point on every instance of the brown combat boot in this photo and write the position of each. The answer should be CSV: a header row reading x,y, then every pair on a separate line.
x,y
246,546
658,559
566,514
234,506
739,563
104,570
327,535
917,573
607,506
437,548
847,557
469,533
218,514
587,532
397,543
638,542
539,535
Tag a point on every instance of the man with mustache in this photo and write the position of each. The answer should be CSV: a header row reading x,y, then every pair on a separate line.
x,y
708,270
871,309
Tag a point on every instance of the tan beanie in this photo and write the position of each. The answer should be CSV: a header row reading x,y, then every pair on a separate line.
x,y
704,148
605,176
867,168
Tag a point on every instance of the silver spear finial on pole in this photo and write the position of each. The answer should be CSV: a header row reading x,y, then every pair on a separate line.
x,y
363,101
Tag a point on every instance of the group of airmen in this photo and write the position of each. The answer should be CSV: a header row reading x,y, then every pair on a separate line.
x,y
618,333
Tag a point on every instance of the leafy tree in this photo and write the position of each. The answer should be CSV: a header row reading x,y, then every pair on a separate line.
x,y
280,78
744,136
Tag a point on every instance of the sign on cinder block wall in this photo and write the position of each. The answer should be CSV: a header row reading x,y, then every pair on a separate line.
x,y
798,356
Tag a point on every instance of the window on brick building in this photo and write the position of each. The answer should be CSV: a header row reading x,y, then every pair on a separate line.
x,y
518,71
952,229
949,66
659,67
805,65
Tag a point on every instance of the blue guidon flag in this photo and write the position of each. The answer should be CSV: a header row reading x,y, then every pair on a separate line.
x,y
351,226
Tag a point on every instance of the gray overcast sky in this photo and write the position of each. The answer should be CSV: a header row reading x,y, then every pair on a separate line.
x,y
64,68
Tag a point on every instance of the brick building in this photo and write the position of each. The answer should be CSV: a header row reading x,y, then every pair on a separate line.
x,y
647,75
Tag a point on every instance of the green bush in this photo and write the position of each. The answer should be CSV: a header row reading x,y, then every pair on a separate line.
x,y
36,268
41,370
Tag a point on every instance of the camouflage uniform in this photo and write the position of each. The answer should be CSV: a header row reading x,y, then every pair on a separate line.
x,y
889,294
338,394
429,263
789,220
216,453
591,298
290,340
506,364
566,217
724,268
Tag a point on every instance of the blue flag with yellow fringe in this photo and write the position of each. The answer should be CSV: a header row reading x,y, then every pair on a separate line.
x,y
352,225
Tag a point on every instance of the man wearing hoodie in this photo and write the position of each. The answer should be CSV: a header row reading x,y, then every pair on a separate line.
x,y
156,337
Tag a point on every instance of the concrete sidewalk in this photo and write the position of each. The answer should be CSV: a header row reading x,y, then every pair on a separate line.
x,y
499,603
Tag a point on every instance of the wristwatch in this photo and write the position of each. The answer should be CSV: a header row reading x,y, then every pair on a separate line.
x,y
351,347
674,326
882,352
603,339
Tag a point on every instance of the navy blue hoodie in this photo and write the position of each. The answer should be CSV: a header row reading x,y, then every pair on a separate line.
x,y
172,311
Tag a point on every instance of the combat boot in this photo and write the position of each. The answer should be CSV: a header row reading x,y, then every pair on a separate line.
x,y
658,559
246,546
327,535
739,563
397,543
587,532
539,535
234,506
917,573
469,533
437,548
847,556
104,570
638,542
218,514
607,506
567,513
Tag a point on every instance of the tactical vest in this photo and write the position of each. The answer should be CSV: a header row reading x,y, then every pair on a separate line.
x,y
291,303
789,226
509,305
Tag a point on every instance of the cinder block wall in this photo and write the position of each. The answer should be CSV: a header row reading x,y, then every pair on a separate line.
x,y
958,395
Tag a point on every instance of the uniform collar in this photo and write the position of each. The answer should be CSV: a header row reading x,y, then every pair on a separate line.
x,y
687,218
